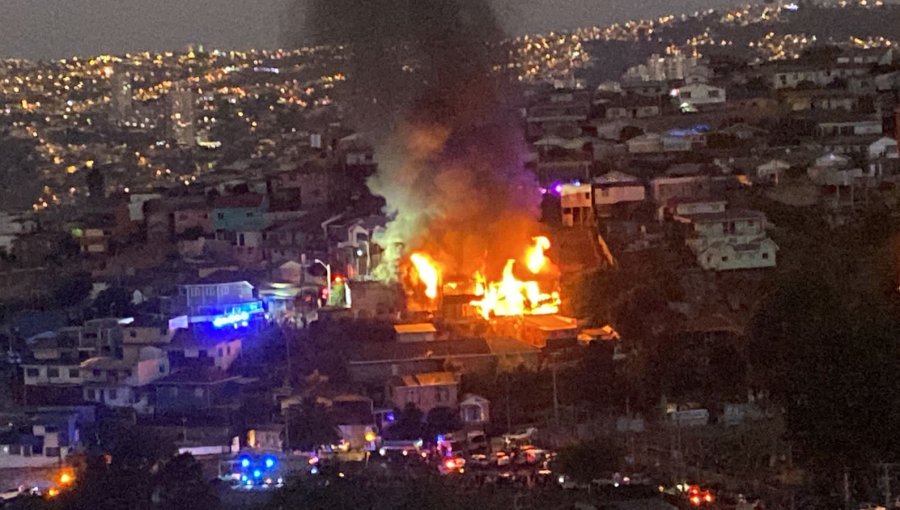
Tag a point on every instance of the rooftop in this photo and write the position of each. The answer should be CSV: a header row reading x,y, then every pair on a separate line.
x,y
381,352
729,215
421,327
105,363
429,379
550,322
243,201
206,375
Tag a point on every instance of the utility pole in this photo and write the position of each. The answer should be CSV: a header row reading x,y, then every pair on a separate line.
x,y
287,380
555,392
508,415
846,490
886,482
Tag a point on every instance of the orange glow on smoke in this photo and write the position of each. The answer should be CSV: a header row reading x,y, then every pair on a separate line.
x,y
428,273
535,259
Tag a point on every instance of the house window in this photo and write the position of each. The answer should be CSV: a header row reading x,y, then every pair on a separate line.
x,y
713,93
765,256
51,451
52,372
162,369
249,214
605,192
132,334
32,372
442,395
221,216
73,373
228,350
91,394
685,94
221,352
112,395
96,373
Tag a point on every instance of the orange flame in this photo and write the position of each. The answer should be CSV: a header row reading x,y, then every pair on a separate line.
x,y
428,273
534,258
511,296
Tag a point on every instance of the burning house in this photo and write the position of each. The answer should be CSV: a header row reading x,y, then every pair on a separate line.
x,y
463,237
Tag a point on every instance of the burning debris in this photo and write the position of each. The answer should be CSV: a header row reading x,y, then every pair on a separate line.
x,y
464,210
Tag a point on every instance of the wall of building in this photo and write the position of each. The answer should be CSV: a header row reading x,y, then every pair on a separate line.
x,y
65,374
609,195
425,398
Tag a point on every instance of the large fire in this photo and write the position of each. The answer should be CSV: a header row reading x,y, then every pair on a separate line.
x,y
508,296
428,273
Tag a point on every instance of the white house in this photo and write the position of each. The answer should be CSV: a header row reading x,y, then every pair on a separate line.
x,y
124,383
39,439
577,204
771,172
618,187
833,170
11,227
849,125
697,94
644,144
884,148
729,240
683,209
663,189
790,75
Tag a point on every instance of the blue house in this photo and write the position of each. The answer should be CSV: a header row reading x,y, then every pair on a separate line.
x,y
240,213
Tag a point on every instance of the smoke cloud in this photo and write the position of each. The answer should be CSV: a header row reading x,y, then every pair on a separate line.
x,y
426,83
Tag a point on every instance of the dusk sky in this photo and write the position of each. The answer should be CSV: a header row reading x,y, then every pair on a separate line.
x,y
58,28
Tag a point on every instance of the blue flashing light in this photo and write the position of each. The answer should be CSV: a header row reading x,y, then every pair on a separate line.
x,y
257,473
269,462
440,438
231,320
243,478
390,417
314,471
245,462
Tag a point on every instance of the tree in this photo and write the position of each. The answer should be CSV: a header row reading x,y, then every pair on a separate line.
x,y
72,290
629,132
113,302
310,425
180,485
825,345
441,420
96,183
118,471
589,460
408,425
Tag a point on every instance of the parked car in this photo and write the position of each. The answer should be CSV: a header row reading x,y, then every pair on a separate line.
x,y
567,483
11,494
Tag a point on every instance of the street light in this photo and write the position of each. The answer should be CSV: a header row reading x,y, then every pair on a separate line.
x,y
327,274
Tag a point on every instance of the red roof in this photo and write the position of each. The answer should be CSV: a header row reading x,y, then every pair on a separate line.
x,y
244,201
